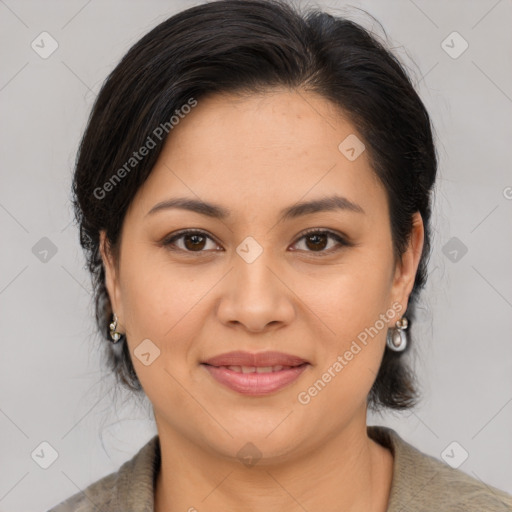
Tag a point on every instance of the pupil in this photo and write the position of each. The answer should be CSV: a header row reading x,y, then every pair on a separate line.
x,y
194,243
315,244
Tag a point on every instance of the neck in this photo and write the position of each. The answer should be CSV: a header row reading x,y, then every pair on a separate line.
x,y
348,472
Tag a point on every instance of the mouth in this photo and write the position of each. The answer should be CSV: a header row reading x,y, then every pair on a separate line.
x,y
244,359
255,374
257,369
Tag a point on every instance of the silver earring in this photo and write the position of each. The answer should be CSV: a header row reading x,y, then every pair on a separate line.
x,y
113,333
396,338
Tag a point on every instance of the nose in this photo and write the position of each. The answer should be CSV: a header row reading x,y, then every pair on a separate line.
x,y
256,296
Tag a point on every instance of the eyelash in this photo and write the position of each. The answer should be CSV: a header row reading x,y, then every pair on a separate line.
x,y
169,242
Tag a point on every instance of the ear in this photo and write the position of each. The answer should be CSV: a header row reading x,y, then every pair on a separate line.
x,y
407,266
111,279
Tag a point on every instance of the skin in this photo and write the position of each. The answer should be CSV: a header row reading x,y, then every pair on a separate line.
x,y
256,155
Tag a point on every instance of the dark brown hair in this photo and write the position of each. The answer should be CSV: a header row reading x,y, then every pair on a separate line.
x,y
250,46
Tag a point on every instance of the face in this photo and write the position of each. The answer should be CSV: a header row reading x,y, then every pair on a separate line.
x,y
319,284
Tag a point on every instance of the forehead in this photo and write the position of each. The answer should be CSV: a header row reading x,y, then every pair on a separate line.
x,y
279,124
281,146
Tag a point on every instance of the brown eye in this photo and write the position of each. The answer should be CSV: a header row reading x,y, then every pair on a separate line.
x,y
318,240
193,241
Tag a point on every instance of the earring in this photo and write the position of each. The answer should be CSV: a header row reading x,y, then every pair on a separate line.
x,y
396,338
113,333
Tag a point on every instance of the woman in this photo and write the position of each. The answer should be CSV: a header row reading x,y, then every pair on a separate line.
x,y
254,197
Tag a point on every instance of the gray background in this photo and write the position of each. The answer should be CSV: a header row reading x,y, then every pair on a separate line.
x,y
52,386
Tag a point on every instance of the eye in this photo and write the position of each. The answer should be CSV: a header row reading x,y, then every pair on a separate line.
x,y
194,241
315,241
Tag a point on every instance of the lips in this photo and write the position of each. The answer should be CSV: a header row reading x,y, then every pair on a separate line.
x,y
255,374
258,360
255,369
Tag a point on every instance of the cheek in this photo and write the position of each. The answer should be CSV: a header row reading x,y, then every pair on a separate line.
x,y
152,292
355,294
163,302
349,358
351,303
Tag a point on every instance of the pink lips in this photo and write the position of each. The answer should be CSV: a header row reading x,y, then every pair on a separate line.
x,y
255,374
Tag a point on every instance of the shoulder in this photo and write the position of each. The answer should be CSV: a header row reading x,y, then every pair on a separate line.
x,y
131,487
423,483
98,495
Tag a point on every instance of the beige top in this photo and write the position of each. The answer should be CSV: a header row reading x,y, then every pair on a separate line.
x,y
421,483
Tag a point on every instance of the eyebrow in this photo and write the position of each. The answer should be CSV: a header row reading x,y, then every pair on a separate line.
x,y
216,211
